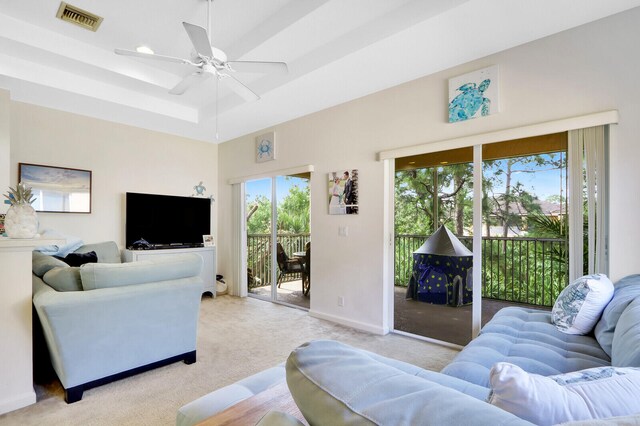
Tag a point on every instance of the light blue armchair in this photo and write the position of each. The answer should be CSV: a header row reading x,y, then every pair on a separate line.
x,y
105,321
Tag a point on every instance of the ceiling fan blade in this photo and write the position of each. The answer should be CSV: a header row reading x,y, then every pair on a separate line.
x,y
199,39
152,56
259,67
188,81
239,87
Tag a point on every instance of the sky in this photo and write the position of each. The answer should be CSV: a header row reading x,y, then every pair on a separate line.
x,y
543,183
263,187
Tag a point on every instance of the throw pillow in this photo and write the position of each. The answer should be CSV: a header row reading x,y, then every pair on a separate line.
x,y
595,393
626,290
64,279
79,259
43,263
580,304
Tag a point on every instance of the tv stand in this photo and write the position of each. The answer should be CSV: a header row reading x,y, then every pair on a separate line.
x,y
208,255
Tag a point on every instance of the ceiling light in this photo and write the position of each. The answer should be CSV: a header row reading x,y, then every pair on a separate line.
x,y
144,49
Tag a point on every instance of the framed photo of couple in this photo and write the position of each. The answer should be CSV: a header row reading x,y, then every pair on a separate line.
x,y
343,192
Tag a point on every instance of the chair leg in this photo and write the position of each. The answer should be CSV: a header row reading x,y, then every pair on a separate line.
x,y
190,358
73,394
306,285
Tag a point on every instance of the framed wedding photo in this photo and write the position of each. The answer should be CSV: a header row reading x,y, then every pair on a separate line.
x,y
343,192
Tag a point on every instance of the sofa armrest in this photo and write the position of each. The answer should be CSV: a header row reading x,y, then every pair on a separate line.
x,y
336,384
97,333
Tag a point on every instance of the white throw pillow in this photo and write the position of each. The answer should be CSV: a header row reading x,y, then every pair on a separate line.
x,y
580,304
595,393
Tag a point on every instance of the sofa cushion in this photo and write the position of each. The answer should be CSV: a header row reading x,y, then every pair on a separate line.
x,y
580,304
103,275
79,259
625,291
107,252
332,383
43,263
595,393
66,278
625,349
527,338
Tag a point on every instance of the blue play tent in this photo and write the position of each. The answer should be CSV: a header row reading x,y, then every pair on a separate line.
x,y
442,271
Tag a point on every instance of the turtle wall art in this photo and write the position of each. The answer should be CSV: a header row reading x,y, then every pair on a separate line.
x,y
474,95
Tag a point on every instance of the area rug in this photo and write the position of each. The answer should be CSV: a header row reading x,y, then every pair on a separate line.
x,y
236,338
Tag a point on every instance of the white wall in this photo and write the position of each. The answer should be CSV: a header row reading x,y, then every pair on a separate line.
x,y
585,70
122,159
5,147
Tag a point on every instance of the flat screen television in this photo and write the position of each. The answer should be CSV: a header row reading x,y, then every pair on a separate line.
x,y
166,221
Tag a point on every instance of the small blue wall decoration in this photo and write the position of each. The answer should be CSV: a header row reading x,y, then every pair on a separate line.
x,y
474,95
200,192
265,147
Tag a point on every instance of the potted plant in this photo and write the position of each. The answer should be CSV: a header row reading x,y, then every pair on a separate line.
x,y
21,220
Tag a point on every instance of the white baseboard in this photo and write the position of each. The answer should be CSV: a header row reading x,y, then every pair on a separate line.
x,y
350,323
17,401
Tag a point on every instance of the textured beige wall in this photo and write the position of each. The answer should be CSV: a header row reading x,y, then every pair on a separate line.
x,y
122,159
5,147
585,70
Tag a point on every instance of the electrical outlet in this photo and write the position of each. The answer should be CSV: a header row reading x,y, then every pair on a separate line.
x,y
343,231
340,301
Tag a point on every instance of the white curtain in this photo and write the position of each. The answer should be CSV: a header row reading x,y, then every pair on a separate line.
x,y
238,285
587,170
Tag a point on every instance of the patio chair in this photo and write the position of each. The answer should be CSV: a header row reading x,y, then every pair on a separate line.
x,y
287,265
306,274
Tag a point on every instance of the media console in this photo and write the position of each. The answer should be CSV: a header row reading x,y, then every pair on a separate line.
x,y
208,255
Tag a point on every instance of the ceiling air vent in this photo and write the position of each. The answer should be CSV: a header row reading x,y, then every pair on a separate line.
x,y
79,17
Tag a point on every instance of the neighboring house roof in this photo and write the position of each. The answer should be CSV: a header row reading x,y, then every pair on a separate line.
x,y
547,208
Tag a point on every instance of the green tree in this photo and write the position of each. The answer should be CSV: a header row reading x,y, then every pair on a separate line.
x,y
259,215
507,203
293,211
416,191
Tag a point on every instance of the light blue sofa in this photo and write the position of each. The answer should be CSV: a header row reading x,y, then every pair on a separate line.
x,y
336,384
107,320
528,339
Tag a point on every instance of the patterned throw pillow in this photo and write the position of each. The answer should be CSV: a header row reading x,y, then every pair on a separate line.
x,y
596,393
580,304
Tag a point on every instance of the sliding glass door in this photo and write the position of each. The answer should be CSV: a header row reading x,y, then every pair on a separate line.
x,y
278,239
510,199
433,245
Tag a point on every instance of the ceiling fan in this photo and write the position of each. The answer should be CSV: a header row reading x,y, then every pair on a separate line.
x,y
209,61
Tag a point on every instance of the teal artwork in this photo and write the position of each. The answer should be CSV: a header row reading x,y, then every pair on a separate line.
x,y
469,101
473,95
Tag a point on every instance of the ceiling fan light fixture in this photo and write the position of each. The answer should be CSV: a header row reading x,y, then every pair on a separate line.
x,y
145,49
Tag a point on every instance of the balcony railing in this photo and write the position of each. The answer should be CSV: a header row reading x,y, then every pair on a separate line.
x,y
259,255
524,270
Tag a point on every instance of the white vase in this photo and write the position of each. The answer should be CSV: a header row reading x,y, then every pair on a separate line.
x,y
21,221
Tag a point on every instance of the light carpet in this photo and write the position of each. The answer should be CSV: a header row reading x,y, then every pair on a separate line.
x,y
236,338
